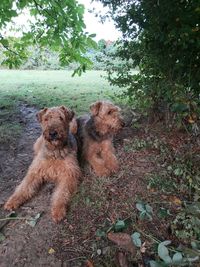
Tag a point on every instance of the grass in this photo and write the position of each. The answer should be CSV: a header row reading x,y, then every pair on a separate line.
x,y
47,89
51,88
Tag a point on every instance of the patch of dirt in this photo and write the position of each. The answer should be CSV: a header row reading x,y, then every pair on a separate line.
x,y
24,245
98,203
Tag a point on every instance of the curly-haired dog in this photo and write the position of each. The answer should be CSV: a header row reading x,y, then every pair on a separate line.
x,y
95,134
55,160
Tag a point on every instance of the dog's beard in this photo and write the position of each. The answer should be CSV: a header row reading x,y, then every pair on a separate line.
x,y
115,128
59,141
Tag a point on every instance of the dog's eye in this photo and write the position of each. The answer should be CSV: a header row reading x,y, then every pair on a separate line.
x,y
45,119
61,118
110,112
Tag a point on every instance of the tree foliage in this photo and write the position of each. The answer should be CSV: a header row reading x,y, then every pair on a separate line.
x,y
57,24
162,39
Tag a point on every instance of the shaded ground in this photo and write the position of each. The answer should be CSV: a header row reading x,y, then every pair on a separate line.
x,y
97,205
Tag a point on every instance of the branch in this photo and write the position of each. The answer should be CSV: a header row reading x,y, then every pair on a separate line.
x,y
7,48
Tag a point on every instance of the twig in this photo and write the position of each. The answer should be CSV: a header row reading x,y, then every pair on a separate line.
x,y
15,218
73,259
7,48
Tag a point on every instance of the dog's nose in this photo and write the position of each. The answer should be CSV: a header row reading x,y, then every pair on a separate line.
x,y
53,134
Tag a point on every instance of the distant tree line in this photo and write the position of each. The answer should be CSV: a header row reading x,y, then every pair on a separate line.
x,y
43,58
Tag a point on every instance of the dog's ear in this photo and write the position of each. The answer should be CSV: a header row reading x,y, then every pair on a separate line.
x,y
40,114
69,114
94,108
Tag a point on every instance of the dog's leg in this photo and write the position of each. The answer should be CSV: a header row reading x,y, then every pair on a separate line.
x,y
98,164
26,189
38,144
92,155
61,198
109,157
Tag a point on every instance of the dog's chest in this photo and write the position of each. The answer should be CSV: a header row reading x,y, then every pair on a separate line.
x,y
56,154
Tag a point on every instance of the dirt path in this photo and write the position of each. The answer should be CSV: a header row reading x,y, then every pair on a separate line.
x,y
24,245
98,202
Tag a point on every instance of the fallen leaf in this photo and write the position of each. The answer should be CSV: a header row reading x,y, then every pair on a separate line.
x,y
51,251
123,240
143,248
99,252
122,260
175,200
33,221
89,263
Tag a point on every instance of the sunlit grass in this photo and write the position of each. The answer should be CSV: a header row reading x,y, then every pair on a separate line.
x,y
47,89
52,88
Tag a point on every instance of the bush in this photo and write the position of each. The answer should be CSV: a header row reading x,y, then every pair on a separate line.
x,y
161,38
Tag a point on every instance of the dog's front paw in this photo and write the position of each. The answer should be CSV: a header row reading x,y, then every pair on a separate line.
x,y
58,214
11,204
102,172
114,167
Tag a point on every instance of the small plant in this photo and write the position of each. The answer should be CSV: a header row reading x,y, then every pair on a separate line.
x,y
162,182
146,211
187,222
165,258
136,239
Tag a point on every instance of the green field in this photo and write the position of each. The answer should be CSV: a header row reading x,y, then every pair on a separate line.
x,y
51,88
47,89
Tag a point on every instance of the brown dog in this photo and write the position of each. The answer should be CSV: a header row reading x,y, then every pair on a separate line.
x,y
95,134
55,160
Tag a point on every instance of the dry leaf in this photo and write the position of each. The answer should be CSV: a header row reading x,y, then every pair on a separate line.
x,y
122,260
89,263
51,251
143,248
175,200
123,240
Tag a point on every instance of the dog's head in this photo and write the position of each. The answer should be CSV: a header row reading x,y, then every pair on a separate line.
x,y
55,124
106,116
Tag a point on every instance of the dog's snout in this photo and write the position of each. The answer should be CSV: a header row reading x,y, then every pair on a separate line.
x,y
53,134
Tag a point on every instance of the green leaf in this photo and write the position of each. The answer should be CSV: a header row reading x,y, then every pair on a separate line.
x,y
4,42
33,221
178,171
92,35
100,233
13,13
163,213
166,242
136,239
143,215
2,237
119,225
167,259
163,251
177,258
148,208
140,207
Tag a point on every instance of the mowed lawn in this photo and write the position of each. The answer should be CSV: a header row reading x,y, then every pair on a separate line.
x,y
51,88
47,89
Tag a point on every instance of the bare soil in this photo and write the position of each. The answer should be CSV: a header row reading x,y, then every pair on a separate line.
x,y
97,204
